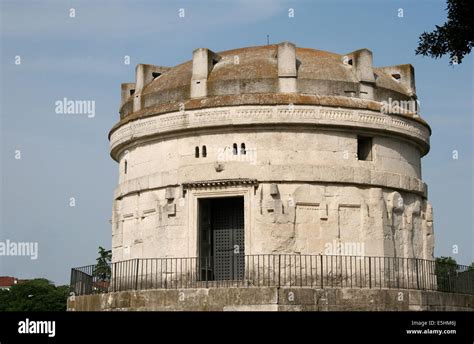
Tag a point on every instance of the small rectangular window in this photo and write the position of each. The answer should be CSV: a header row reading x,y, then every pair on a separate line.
x,y
364,148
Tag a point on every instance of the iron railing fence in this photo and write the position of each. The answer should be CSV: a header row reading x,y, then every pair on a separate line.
x,y
275,270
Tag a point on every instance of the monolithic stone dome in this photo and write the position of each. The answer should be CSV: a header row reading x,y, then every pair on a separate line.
x,y
274,149
266,75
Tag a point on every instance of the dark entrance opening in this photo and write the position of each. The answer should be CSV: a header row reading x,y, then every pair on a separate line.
x,y
364,148
221,238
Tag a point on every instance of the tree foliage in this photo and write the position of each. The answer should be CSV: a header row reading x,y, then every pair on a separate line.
x,y
102,268
455,37
446,273
35,295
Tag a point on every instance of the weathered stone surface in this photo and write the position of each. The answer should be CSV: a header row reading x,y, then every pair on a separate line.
x,y
273,299
258,70
330,165
142,211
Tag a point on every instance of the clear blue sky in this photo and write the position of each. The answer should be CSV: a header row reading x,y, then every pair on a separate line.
x,y
65,156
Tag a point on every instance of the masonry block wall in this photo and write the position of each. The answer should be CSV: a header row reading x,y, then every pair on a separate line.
x,y
303,135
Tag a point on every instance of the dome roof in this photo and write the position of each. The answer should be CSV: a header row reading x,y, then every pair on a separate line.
x,y
272,74
260,62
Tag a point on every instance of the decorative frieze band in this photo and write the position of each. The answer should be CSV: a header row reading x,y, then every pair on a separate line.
x,y
220,183
261,115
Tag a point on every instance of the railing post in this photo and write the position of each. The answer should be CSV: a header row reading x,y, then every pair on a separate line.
x,y
469,282
370,272
114,276
279,271
417,274
136,276
72,287
322,272
207,269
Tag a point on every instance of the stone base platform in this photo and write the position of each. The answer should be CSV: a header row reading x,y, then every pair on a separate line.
x,y
273,299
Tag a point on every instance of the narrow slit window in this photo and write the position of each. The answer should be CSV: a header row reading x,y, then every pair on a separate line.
x,y
364,148
125,167
204,151
235,151
196,152
242,149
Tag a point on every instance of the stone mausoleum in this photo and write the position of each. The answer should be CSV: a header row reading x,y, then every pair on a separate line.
x,y
271,178
270,149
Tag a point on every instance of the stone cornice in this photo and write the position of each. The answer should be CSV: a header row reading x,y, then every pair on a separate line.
x,y
283,99
316,174
258,116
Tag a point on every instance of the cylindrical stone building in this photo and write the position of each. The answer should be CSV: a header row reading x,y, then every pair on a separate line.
x,y
270,149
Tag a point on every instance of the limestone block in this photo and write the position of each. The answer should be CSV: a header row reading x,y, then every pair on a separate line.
x,y
362,65
170,209
170,177
344,174
429,212
323,173
393,180
146,73
286,59
362,175
142,183
117,240
127,90
405,182
287,85
203,63
378,178
405,74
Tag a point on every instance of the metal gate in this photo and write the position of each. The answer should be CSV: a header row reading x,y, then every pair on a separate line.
x,y
228,243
